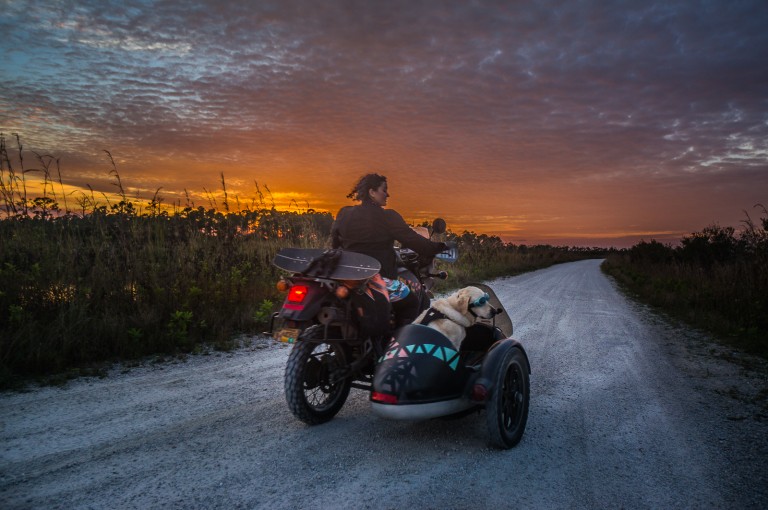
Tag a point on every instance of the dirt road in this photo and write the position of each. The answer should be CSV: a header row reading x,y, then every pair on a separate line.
x,y
626,411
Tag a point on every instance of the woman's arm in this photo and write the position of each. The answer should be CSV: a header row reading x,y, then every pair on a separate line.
x,y
400,230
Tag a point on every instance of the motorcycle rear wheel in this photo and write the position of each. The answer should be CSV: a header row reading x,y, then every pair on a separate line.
x,y
314,388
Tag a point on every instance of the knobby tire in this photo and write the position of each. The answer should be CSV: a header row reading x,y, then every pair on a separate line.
x,y
313,395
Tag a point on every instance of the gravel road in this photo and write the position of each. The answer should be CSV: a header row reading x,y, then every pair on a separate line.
x,y
627,411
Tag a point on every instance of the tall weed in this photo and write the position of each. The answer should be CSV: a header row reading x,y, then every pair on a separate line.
x,y
131,278
717,279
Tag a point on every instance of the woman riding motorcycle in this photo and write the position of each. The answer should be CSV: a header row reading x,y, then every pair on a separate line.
x,y
370,229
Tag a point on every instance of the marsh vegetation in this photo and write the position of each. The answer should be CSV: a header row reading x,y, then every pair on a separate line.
x,y
716,279
89,278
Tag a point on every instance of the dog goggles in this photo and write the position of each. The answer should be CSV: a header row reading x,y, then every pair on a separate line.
x,y
480,301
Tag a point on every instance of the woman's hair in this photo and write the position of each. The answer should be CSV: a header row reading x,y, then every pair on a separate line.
x,y
366,182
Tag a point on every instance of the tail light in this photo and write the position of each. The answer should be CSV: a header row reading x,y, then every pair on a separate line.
x,y
297,293
479,393
384,398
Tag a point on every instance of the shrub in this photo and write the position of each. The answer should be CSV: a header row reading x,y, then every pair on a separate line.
x,y
716,279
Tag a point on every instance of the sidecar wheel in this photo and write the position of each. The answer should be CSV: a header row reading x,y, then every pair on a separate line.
x,y
507,407
314,389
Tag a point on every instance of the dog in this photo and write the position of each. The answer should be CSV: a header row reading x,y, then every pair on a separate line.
x,y
453,314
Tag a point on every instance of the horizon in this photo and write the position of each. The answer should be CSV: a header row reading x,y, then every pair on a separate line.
x,y
236,205
539,122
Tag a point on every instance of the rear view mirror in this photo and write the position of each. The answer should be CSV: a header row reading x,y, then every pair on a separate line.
x,y
451,254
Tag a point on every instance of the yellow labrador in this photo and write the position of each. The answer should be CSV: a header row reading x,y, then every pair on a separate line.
x,y
453,314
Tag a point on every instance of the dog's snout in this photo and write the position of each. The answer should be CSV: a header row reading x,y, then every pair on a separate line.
x,y
498,311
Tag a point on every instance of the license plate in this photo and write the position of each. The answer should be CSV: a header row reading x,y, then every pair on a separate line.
x,y
288,335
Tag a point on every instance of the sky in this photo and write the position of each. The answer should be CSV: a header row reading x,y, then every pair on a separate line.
x,y
583,123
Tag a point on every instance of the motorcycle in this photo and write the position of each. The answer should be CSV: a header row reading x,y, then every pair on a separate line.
x,y
416,373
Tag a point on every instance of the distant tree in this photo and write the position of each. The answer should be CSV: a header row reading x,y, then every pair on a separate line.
x,y
652,252
713,245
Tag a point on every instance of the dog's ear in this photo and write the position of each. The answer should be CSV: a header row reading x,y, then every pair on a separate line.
x,y
462,300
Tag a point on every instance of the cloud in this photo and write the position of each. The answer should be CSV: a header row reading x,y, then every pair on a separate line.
x,y
521,95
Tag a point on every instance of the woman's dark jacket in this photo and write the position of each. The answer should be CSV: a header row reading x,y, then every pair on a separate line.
x,y
372,230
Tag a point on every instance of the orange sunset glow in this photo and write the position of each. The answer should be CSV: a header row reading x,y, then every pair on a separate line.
x,y
580,123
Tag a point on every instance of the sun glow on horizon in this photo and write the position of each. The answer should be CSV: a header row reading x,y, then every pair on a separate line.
x,y
519,229
503,127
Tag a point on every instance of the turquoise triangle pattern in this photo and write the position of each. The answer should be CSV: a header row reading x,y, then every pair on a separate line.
x,y
446,354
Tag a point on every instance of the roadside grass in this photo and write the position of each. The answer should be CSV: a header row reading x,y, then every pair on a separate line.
x,y
486,257
94,283
113,285
716,280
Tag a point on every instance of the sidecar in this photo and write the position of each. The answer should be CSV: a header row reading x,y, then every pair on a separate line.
x,y
422,376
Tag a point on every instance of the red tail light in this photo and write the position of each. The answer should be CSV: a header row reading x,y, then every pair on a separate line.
x,y
383,398
297,293
479,393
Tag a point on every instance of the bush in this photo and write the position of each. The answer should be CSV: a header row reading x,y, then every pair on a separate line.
x,y
113,284
128,279
716,279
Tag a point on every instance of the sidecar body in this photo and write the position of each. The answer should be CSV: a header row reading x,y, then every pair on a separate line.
x,y
422,376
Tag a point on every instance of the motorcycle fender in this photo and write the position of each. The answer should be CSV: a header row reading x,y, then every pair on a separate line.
x,y
308,308
493,360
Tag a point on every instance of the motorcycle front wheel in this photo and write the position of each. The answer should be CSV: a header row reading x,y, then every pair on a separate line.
x,y
315,386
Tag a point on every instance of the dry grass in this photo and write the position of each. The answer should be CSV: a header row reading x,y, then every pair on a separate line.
x,y
717,280
127,278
